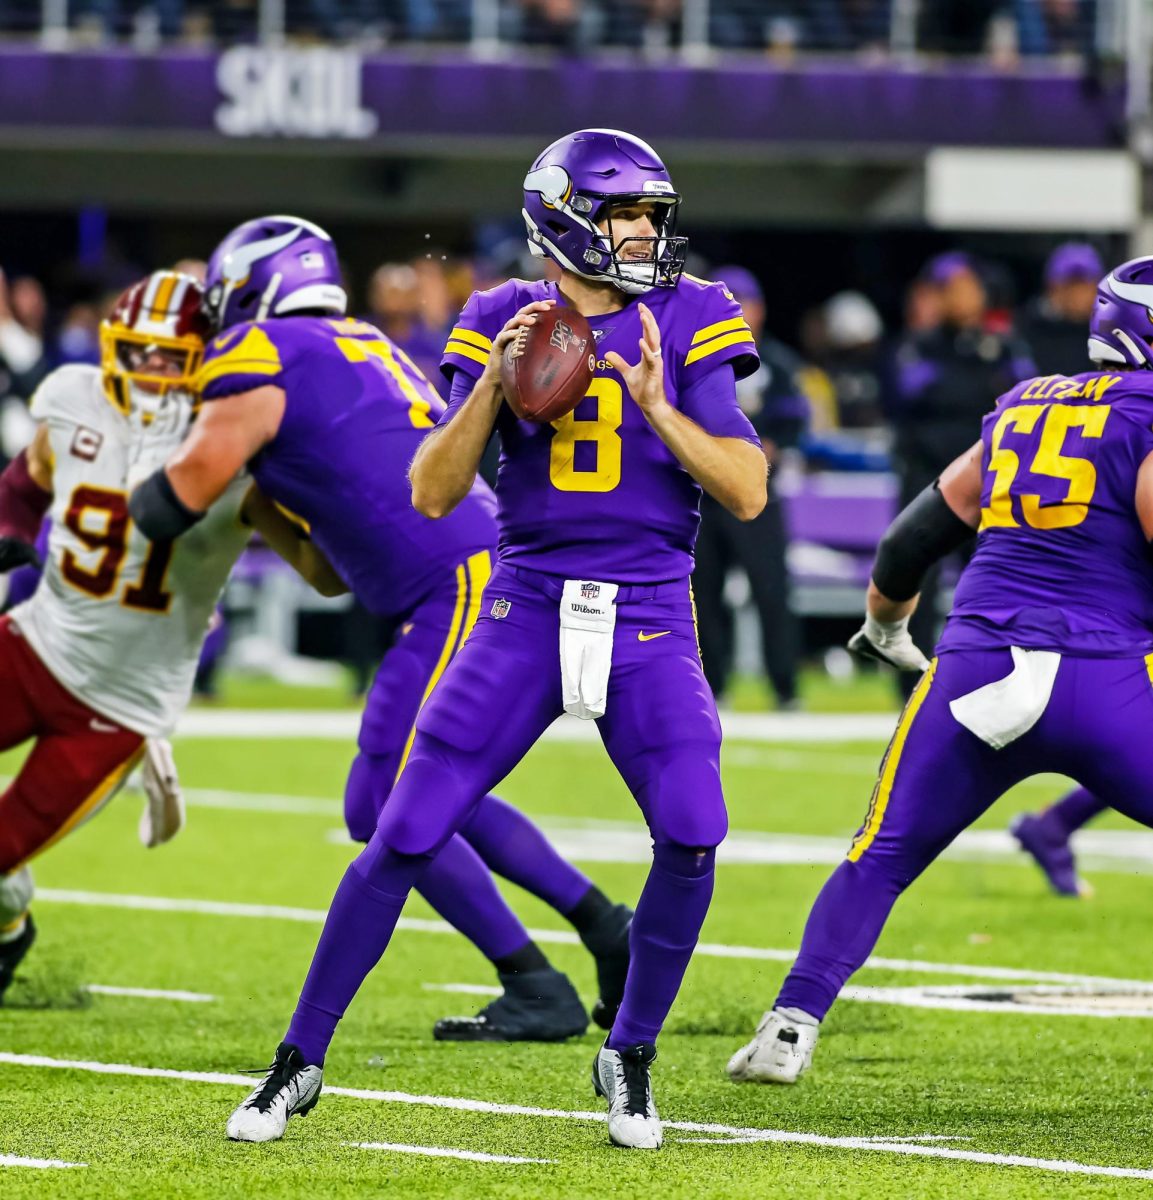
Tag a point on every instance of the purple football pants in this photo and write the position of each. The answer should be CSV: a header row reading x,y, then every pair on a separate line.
x,y
496,698
457,884
937,778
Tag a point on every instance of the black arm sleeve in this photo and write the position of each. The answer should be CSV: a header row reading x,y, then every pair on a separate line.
x,y
158,511
923,532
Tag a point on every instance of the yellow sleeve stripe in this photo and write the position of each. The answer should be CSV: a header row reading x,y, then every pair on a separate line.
x,y
455,347
235,366
711,331
471,336
721,343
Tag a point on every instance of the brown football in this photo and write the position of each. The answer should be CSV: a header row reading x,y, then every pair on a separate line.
x,y
546,372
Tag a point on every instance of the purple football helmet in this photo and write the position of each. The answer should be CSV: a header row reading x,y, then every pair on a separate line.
x,y
576,182
272,267
1121,326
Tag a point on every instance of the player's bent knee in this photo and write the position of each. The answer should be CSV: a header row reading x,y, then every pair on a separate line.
x,y
428,805
687,805
370,780
686,862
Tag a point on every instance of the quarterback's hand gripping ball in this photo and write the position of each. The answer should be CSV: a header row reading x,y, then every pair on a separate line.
x,y
546,369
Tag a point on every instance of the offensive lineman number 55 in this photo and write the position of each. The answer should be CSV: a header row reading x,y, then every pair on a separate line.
x,y
1080,475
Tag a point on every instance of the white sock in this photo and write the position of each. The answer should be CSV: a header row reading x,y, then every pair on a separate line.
x,y
798,1016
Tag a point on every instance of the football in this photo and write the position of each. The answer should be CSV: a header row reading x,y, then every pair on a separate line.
x,y
546,371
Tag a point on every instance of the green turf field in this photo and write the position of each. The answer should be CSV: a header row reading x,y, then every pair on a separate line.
x,y
902,1102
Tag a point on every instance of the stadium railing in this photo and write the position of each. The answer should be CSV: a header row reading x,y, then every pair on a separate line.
x,y
1008,32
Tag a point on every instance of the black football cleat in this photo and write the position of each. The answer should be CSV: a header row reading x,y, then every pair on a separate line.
x,y
537,1006
12,954
608,942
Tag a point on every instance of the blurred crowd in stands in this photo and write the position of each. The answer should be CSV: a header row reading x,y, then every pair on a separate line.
x,y
1002,30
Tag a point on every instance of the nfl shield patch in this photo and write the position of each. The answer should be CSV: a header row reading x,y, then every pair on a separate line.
x,y
590,591
500,608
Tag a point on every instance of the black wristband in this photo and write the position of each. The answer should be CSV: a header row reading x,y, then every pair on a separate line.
x,y
158,511
14,552
923,533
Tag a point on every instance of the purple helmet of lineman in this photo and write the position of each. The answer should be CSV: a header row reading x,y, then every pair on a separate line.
x,y
1121,327
273,267
574,186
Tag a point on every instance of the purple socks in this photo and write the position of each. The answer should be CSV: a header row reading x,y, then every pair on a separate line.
x,y
664,934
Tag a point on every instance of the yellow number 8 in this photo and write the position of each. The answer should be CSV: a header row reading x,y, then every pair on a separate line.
x,y
601,431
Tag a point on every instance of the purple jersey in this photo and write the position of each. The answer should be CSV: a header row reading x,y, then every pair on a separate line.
x,y
1061,562
355,411
597,494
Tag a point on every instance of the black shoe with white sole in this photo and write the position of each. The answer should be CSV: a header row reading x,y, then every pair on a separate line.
x,y
537,1006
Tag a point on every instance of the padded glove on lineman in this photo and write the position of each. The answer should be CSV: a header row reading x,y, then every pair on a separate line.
x,y
163,815
16,553
888,642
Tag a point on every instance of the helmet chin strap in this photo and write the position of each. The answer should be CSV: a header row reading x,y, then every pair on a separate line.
x,y
541,246
268,296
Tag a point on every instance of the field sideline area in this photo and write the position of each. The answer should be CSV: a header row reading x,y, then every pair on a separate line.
x,y
161,975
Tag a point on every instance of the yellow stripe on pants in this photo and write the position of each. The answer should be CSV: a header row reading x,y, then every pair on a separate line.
x,y
892,759
471,577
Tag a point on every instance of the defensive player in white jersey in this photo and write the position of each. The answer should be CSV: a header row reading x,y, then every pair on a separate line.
x,y
99,663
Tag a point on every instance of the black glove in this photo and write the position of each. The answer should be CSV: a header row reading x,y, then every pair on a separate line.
x,y
15,553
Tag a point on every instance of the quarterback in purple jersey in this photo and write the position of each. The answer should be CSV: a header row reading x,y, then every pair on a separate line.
x,y
1045,663
328,414
588,609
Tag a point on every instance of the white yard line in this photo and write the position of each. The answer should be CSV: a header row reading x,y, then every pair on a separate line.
x,y
445,1152
463,989
729,1132
102,989
1123,851
43,1164
218,908
343,724
1099,851
959,999
267,802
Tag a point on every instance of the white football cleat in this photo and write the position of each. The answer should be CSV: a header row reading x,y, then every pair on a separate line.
x,y
781,1050
622,1078
290,1089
